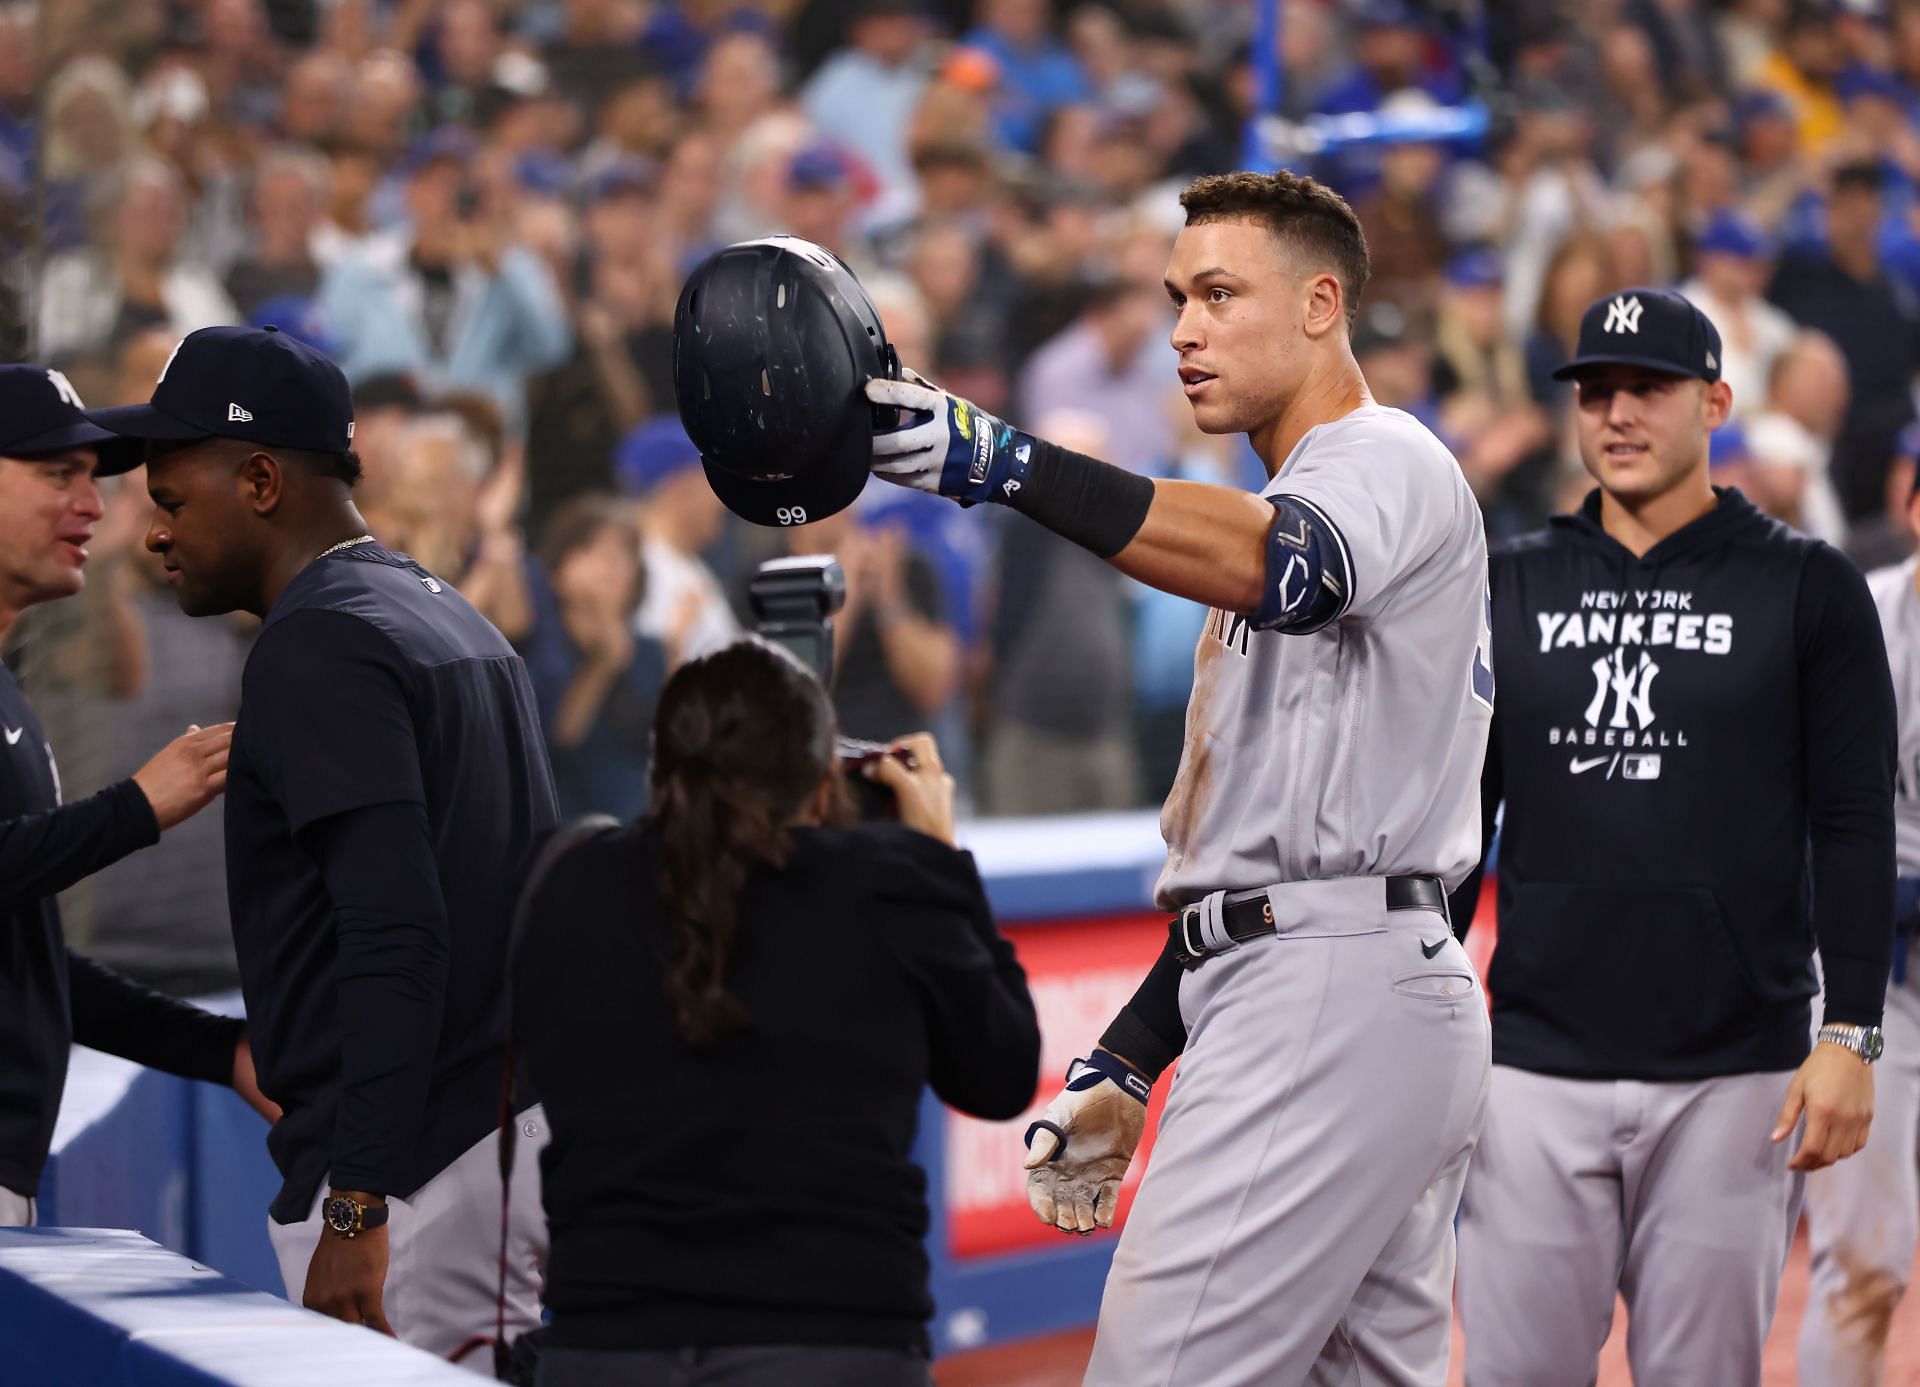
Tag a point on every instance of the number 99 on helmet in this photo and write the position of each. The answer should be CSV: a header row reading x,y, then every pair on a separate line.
x,y
774,342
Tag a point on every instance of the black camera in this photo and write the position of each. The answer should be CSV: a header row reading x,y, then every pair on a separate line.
x,y
794,601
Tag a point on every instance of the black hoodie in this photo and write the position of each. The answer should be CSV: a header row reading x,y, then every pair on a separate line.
x,y
1687,743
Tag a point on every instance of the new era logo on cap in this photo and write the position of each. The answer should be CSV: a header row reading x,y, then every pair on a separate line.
x,y
1654,329
296,397
1623,314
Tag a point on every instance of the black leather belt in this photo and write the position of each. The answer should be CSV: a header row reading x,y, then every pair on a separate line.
x,y
1249,915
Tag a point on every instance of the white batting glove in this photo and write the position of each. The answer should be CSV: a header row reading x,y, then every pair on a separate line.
x,y
1079,1150
950,446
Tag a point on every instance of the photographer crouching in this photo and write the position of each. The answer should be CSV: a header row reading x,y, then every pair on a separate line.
x,y
730,1010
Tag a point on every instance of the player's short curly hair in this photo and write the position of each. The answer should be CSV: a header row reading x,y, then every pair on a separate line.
x,y
1309,216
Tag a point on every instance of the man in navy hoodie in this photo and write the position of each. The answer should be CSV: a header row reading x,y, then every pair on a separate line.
x,y
1694,743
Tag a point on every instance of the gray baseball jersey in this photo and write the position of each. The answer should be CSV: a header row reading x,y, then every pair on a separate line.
x,y
1863,1214
1356,750
1899,604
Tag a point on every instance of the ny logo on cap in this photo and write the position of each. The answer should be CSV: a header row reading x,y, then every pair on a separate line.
x,y
1623,315
64,389
237,415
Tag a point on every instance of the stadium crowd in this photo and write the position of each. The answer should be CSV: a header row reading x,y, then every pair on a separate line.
x,y
484,210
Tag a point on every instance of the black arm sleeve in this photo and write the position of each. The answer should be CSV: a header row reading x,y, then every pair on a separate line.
x,y
983,1034
390,923
43,854
1849,730
1149,1033
1463,903
114,1014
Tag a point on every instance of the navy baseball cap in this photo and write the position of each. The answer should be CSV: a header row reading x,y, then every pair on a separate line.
x,y
40,412
259,385
1654,328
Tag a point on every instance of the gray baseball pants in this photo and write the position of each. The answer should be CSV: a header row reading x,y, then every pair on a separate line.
x,y
1863,1215
443,1250
1296,1223
1669,1193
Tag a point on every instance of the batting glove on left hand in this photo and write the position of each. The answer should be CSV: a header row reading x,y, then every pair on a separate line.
x,y
952,448
1079,1150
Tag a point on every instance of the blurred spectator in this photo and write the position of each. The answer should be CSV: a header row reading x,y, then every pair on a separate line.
x,y
594,54
1114,362
1061,738
1552,191
458,306
1391,54
1790,442
739,85
1399,218
596,679
620,372
19,72
689,199
1685,44
1773,172
90,134
864,96
1845,293
1580,271
1486,406
317,95
94,300
386,101
290,195
1166,629
820,201
683,607
1037,73
468,51
445,505
174,112
1888,537
1801,70
1731,269
896,659
1396,358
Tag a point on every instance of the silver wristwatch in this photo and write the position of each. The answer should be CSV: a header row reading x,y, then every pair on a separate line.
x,y
1868,1042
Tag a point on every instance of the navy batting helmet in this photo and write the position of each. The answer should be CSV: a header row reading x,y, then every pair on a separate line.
x,y
774,342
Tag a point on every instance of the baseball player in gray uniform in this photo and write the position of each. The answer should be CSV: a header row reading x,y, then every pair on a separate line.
x,y
1863,1215
1296,1222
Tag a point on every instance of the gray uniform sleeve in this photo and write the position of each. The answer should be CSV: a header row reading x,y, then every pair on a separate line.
x,y
1390,502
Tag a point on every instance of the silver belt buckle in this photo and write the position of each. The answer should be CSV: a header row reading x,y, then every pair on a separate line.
x,y
1189,914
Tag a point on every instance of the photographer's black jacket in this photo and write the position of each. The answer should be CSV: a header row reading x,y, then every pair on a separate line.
x,y
761,1190
1695,749
49,996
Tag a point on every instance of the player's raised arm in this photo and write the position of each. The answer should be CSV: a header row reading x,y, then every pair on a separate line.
x,y
1260,324
1192,539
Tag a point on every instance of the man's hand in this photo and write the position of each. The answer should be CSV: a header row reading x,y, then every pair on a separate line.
x,y
247,1084
188,774
1079,1150
951,447
348,1276
1834,1088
